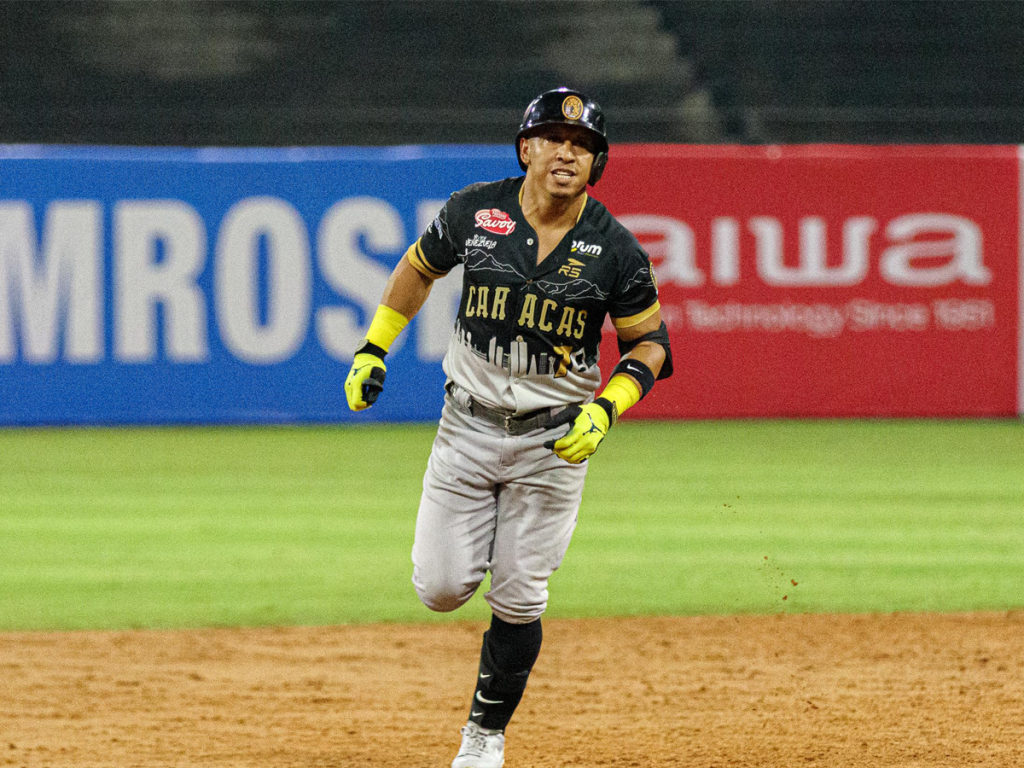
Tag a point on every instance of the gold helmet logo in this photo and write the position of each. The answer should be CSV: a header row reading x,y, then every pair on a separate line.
x,y
572,107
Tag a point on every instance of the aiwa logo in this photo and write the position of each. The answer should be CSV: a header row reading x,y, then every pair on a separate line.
x,y
920,249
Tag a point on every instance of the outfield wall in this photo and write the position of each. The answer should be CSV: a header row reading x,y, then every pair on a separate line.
x,y
221,286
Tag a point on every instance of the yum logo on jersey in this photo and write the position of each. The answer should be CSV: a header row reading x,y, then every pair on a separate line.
x,y
494,221
578,246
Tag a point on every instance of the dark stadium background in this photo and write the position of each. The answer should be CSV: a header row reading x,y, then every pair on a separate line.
x,y
381,72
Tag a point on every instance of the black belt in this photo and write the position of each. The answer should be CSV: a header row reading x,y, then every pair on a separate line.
x,y
514,425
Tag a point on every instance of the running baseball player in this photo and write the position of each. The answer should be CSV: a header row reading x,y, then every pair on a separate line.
x,y
544,265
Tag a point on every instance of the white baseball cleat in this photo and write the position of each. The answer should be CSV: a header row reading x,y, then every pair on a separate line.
x,y
480,748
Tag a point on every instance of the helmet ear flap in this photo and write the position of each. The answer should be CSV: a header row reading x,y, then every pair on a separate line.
x,y
600,160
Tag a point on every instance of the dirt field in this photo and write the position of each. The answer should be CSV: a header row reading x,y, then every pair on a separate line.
x,y
906,690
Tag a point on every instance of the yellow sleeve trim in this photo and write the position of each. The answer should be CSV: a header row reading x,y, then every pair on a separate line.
x,y
419,262
627,322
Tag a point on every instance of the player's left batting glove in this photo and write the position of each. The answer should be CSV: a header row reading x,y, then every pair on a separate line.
x,y
589,426
365,381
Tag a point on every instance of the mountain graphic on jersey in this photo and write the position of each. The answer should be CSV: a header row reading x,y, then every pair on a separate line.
x,y
641,277
574,289
518,361
482,261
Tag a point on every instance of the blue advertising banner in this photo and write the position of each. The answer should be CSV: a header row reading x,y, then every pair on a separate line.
x,y
143,286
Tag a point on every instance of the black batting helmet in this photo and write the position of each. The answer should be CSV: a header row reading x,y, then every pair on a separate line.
x,y
564,105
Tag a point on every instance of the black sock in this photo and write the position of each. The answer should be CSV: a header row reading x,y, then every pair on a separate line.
x,y
506,658
515,647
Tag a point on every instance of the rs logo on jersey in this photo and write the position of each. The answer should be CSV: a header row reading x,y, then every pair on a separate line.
x,y
572,269
495,221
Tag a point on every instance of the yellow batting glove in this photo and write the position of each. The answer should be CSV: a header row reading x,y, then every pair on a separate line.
x,y
591,422
589,426
365,381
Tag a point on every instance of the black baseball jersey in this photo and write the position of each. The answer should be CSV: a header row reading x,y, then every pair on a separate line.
x,y
527,335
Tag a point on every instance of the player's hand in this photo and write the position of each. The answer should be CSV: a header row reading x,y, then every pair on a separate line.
x,y
589,426
365,381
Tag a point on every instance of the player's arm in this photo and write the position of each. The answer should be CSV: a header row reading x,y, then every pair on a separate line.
x,y
645,343
641,348
432,256
407,289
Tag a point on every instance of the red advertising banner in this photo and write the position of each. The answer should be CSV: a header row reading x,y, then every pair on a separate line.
x,y
828,280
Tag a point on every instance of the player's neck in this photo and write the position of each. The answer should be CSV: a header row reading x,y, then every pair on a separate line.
x,y
543,210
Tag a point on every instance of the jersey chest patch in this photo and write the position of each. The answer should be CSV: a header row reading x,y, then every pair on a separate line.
x,y
571,268
589,249
480,241
495,221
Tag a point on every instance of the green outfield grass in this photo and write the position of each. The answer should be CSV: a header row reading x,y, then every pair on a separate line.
x,y
256,526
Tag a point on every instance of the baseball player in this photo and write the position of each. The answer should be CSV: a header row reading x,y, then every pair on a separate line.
x,y
544,265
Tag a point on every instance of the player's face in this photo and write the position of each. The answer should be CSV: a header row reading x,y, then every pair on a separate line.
x,y
560,158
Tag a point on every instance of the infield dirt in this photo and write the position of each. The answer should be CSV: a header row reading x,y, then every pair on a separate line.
x,y
786,690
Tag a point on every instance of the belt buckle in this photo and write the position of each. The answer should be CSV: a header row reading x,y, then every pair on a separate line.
x,y
508,423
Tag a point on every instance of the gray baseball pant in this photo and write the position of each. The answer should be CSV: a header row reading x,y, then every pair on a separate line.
x,y
492,501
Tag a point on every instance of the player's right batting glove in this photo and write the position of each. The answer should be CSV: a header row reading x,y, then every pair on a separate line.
x,y
589,426
365,381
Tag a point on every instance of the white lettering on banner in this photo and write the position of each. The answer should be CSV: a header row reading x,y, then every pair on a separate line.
x,y
436,320
908,261
829,321
820,320
671,314
289,280
812,269
141,281
158,254
865,315
64,280
961,251
725,251
964,314
675,248
351,272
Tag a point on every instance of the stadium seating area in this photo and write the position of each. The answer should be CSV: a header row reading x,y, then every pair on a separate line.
x,y
860,71
386,72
